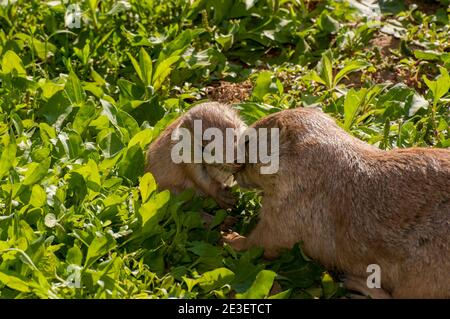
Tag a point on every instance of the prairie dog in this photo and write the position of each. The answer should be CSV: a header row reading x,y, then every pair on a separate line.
x,y
354,205
207,179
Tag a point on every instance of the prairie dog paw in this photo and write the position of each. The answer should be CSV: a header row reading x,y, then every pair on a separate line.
x,y
234,240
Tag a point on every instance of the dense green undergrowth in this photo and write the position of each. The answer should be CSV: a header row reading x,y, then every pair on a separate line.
x,y
79,104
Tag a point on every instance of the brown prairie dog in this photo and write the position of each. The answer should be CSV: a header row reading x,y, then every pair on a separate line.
x,y
354,205
207,179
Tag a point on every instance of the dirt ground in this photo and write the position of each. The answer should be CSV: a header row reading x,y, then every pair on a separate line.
x,y
227,92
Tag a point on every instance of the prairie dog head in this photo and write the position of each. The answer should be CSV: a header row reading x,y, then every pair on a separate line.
x,y
215,129
291,137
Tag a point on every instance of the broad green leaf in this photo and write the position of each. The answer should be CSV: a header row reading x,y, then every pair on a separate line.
x,y
143,138
132,164
46,132
38,196
36,172
114,199
74,256
43,50
71,142
203,249
260,287
163,70
127,122
427,55
7,158
352,66
147,185
401,100
219,217
149,211
49,88
265,83
91,175
56,109
190,283
11,61
215,279
14,282
98,247
418,102
83,117
440,86
327,23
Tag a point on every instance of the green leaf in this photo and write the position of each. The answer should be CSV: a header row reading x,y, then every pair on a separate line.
x,y
427,55
132,164
282,295
91,175
252,112
13,282
83,117
260,287
74,90
265,83
7,158
325,69
215,279
149,211
203,249
146,66
74,256
36,172
352,103
352,66
313,76
401,100
163,70
328,23
38,196
11,61
439,87
49,88
329,286
99,246
136,66
56,109
143,138
147,185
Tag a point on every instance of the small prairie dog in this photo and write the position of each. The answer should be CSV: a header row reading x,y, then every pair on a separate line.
x,y
354,205
211,179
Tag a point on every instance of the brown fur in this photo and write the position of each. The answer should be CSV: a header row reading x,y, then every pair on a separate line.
x,y
353,205
206,179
